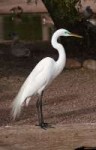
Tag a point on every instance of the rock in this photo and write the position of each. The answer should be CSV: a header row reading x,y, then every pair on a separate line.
x,y
72,64
90,64
18,49
1,52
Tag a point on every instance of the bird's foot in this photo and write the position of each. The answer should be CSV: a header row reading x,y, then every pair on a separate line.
x,y
44,125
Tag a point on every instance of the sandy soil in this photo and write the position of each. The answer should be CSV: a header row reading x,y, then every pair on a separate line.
x,y
66,137
69,105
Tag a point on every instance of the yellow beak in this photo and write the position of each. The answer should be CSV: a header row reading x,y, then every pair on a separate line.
x,y
76,35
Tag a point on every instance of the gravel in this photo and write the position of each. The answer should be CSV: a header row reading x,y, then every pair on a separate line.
x,y
71,98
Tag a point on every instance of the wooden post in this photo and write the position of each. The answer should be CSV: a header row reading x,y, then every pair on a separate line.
x,y
45,32
45,29
1,28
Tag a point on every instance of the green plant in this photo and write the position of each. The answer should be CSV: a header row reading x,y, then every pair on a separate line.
x,y
63,10
27,29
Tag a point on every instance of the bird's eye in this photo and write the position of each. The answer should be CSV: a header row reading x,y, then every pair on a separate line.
x,y
67,33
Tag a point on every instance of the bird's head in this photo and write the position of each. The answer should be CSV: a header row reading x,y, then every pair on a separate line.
x,y
62,32
66,33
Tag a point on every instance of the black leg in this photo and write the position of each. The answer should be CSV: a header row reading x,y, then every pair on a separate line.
x,y
41,112
38,110
42,124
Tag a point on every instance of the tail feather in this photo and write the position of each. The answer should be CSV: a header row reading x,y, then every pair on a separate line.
x,y
25,93
16,109
17,104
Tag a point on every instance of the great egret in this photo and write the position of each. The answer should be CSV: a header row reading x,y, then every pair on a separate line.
x,y
40,77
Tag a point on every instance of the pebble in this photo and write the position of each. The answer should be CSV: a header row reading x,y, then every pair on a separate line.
x,y
90,64
72,64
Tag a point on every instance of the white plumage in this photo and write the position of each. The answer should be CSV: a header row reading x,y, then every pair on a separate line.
x,y
33,84
40,77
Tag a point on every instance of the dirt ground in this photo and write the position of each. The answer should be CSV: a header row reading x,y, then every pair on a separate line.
x,y
69,104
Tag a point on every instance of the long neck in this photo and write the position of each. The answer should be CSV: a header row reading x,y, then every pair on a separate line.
x,y
60,63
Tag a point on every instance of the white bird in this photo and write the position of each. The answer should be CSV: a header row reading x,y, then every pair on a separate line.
x,y
40,77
